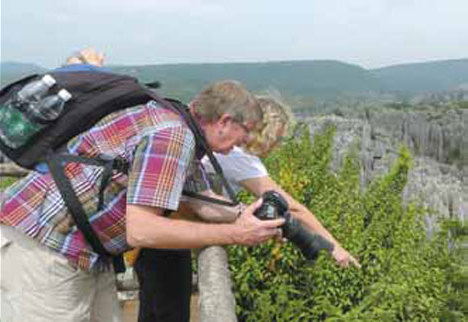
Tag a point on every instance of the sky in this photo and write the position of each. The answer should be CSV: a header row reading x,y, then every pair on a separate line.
x,y
369,33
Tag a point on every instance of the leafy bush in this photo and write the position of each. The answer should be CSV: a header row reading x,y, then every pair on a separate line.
x,y
404,276
6,181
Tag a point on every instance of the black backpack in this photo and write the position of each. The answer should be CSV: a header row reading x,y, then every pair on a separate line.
x,y
94,94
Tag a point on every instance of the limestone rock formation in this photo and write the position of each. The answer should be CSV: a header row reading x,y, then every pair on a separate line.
x,y
438,140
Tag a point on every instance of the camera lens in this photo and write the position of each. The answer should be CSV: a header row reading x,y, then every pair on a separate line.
x,y
275,206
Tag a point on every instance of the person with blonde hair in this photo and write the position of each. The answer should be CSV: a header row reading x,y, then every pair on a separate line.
x,y
275,124
243,169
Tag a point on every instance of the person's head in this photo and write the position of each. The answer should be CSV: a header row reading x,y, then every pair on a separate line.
x,y
275,125
86,56
227,113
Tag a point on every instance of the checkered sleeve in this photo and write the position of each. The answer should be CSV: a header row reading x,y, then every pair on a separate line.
x,y
160,166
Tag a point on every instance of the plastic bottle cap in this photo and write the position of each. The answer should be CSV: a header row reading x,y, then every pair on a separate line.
x,y
64,95
49,80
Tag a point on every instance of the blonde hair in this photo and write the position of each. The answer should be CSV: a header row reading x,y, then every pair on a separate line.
x,y
86,56
229,97
276,116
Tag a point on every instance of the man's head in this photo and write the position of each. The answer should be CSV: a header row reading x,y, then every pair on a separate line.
x,y
227,113
274,126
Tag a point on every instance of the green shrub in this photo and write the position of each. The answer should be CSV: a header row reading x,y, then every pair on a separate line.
x,y
404,276
6,181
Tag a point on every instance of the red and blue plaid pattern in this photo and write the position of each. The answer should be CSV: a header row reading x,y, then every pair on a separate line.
x,y
160,149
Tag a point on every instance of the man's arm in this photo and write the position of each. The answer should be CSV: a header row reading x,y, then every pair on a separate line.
x,y
146,227
262,184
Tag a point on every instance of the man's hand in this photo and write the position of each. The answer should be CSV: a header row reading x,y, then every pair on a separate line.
x,y
343,258
251,231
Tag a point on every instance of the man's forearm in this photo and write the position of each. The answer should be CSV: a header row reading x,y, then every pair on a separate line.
x,y
147,229
212,212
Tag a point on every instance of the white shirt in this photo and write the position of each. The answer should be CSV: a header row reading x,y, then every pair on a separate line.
x,y
237,166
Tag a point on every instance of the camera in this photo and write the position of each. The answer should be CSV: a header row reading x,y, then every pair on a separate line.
x,y
275,206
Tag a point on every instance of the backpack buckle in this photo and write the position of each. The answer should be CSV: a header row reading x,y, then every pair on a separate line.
x,y
121,165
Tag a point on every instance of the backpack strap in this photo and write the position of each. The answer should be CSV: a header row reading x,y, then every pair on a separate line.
x,y
198,134
182,109
57,163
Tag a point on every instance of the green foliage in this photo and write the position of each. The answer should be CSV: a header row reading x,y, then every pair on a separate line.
x,y
404,277
462,104
6,181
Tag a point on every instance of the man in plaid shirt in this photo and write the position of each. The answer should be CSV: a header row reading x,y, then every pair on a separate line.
x,y
49,272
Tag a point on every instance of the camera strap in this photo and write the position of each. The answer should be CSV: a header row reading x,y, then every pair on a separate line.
x,y
182,109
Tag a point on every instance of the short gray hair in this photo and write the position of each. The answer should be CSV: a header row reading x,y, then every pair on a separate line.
x,y
227,96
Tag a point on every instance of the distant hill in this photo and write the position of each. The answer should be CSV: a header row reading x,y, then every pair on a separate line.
x,y
318,79
299,78
9,71
432,76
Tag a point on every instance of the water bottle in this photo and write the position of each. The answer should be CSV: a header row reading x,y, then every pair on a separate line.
x,y
51,106
34,91
50,109
16,127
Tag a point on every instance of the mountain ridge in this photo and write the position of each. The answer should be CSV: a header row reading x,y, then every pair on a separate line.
x,y
299,78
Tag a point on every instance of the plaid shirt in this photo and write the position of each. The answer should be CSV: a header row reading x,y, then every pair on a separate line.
x,y
159,147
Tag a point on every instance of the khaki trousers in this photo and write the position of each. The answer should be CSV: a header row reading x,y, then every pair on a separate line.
x,y
38,284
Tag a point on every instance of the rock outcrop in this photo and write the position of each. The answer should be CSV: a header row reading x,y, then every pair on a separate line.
x,y
438,140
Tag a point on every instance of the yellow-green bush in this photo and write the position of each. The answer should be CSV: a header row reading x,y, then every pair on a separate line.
x,y
6,181
404,275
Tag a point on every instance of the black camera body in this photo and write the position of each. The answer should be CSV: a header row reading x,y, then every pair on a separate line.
x,y
275,206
